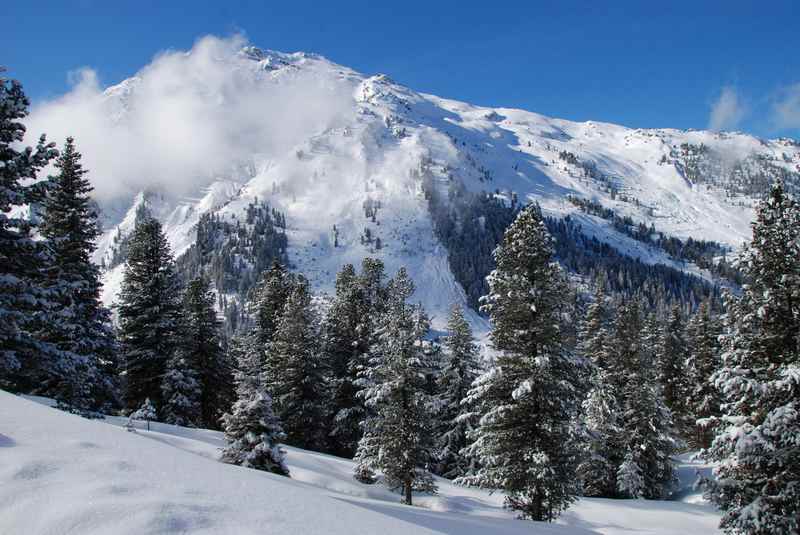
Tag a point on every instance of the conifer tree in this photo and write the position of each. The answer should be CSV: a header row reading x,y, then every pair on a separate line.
x,y
598,469
461,368
84,326
252,431
703,331
296,377
757,444
146,413
526,441
149,314
181,392
671,361
344,345
397,438
26,303
201,350
268,300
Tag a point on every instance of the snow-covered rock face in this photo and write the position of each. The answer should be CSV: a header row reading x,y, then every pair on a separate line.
x,y
319,141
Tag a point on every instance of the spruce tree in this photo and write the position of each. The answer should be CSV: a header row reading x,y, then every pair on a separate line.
x,y
397,438
671,361
702,333
252,431
460,369
27,305
202,351
268,300
296,376
344,346
598,469
84,326
149,314
757,443
526,441
181,392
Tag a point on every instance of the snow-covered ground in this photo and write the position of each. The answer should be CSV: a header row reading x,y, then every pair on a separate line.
x,y
62,474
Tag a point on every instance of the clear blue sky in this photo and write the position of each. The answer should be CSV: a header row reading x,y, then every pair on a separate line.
x,y
642,64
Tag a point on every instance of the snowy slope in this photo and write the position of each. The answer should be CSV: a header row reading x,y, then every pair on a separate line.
x,y
64,474
372,148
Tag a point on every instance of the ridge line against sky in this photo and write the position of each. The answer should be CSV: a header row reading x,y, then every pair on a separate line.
x,y
717,65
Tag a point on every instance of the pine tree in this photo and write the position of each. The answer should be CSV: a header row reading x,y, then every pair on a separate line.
x,y
27,362
397,438
460,369
757,444
84,326
268,300
146,413
201,350
252,431
296,376
704,400
646,429
598,469
345,342
671,361
181,392
526,441
149,313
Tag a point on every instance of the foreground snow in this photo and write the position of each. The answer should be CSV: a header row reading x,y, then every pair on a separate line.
x,y
60,473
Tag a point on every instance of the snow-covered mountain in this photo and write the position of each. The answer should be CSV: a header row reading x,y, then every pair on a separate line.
x,y
360,175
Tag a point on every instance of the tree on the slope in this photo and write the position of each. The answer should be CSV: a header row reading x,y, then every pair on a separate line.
x,y
757,444
181,392
268,300
702,333
344,344
397,438
26,304
201,350
146,413
252,431
598,469
149,313
646,431
296,376
671,361
460,369
526,441
84,325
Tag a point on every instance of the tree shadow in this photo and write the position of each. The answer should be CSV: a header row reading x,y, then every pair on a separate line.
x,y
6,441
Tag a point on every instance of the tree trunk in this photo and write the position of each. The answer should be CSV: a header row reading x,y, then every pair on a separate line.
x,y
407,489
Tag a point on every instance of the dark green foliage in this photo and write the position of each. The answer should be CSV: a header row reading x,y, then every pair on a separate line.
x,y
671,354
84,325
757,443
526,442
398,439
27,363
149,314
703,397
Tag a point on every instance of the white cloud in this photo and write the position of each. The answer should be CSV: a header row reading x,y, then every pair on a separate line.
x,y
727,111
189,118
786,108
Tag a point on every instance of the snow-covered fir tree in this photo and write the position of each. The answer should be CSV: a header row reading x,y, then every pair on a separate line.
x,y
296,377
201,350
146,413
252,431
702,333
267,301
598,469
671,361
149,313
84,326
757,443
460,368
181,392
526,441
27,363
646,430
345,345
398,440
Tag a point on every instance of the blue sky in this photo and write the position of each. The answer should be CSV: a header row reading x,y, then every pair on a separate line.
x,y
732,65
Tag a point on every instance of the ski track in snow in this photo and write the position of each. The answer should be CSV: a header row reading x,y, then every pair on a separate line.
x,y
63,474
